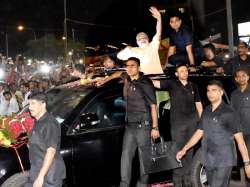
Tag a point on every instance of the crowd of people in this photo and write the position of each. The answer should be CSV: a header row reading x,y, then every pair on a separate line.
x,y
218,123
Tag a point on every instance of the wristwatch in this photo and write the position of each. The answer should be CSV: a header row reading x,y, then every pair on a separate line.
x,y
155,128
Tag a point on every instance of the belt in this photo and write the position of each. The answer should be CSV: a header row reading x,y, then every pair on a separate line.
x,y
139,124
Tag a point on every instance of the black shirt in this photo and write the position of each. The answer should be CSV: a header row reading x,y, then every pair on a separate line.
x,y
139,95
46,134
182,99
240,101
183,38
236,63
219,126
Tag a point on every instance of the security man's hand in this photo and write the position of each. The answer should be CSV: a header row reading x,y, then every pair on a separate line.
x,y
247,170
155,133
38,182
180,154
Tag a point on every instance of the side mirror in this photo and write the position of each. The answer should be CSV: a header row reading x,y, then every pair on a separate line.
x,y
89,120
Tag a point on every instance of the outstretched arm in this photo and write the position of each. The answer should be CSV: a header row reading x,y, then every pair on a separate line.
x,y
157,15
194,140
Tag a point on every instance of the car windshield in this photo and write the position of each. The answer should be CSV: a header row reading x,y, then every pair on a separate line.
x,y
62,101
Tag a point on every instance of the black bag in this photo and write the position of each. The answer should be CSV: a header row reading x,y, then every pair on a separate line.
x,y
158,157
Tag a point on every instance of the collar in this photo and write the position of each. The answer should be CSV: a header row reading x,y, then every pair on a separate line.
x,y
218,108
44,116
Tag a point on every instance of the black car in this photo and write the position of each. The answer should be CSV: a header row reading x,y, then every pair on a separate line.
x,y
92,123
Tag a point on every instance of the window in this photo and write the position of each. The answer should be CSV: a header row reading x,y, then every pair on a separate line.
x,y
110,110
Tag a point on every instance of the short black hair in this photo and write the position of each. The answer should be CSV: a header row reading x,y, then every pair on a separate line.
x,y
7,93
209,46
80,68
215,82
175,13
244,69
243,43
39,96
178,65
135,60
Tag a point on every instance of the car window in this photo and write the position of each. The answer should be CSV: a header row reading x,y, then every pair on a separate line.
x,y
109,109
61,102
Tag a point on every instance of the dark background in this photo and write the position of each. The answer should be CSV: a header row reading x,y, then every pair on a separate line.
x,y
110,21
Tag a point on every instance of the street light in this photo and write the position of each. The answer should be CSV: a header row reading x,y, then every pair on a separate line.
x,y
22,28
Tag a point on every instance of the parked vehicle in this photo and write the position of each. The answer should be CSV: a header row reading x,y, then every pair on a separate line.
x,y
92,123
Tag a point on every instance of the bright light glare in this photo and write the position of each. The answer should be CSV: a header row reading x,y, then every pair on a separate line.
x,y
45,68
227,56
1,73
70,53
29,61
81,61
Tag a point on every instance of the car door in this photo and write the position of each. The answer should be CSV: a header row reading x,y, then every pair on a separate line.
x,y
97,140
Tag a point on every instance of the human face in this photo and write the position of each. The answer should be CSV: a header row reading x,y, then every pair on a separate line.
x,y
142,40
108,63
242,78
182,73
7,97
214,93
175,23
208,53
132,68
242,49
36,108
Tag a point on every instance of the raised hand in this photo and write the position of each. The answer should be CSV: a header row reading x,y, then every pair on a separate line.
x,y
155,12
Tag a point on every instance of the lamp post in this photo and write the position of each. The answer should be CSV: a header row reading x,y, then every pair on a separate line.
x,y
65,30
22,28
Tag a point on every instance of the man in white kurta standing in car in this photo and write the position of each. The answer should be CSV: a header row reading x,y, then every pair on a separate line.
x,y
146,51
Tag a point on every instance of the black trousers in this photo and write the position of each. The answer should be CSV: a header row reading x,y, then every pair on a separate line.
x,y
181,133
182,58
133,138
247,140
218,177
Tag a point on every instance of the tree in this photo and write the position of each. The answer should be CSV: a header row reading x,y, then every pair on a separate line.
x,y
49,47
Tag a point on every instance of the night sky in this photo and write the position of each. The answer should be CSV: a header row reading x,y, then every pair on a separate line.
x,y
106,21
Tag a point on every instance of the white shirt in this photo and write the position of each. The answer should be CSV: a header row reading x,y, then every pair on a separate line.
x,y
2,104
148,55
12,106
9,107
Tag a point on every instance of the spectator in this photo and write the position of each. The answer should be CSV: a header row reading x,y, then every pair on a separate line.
x,y
184,47
26,91
79,71
45,84
241,60
147,51
109,65
11,105
211,61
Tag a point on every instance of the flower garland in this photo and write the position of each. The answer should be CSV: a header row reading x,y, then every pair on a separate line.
x,y
12,127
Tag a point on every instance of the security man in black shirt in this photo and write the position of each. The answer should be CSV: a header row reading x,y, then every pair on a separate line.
x,y
218,128
142,121
240,101
47,166
185,110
